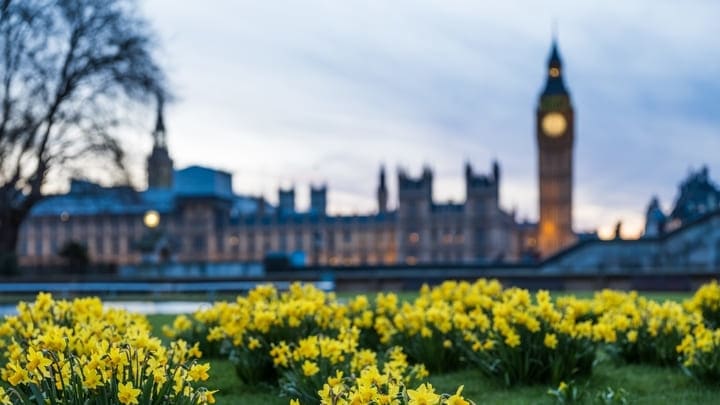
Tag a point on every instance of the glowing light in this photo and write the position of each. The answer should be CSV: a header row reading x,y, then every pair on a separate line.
x,y
606,232
414,237
411,260
548,228
151,219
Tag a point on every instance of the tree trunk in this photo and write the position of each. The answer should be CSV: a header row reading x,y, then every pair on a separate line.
x,y
10,221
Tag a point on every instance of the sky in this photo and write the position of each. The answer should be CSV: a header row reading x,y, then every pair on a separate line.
x,y
283,93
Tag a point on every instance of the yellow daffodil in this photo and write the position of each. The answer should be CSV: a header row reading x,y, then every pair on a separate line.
x,y
127,394
424,395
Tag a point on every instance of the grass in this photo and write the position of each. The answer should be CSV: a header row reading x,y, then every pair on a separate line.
x,y
644,384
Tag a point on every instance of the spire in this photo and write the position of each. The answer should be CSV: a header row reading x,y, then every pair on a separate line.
x,y
554,59
554,54
554,84
159,132
382,193
159,163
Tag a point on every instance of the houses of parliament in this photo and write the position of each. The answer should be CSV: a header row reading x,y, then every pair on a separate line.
x,y
193,214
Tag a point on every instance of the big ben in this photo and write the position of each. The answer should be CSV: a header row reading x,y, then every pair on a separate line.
x,y
555,128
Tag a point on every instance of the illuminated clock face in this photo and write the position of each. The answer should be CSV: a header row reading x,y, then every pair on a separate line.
x,y
554,125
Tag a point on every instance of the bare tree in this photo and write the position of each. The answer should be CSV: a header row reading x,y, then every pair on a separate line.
x,y
68,71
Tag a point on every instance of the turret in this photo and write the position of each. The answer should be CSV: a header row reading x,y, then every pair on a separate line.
x,y
654,219
382,192
286,201
318,200
159,163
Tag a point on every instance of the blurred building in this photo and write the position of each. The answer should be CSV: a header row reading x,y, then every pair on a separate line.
x,y
193,214
697,197
684,240
200,219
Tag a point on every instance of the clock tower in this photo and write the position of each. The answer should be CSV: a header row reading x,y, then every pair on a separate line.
x,y
555,128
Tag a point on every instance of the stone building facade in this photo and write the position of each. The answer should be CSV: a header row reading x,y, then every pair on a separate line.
x,y
200,219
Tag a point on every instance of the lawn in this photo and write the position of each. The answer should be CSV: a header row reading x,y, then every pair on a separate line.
x,y
643,384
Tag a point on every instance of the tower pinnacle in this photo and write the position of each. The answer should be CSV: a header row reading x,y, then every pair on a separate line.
x,y
554,85
159,132
382,192
159,163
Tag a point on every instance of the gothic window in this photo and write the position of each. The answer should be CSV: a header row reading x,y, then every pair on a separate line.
x,y
251,242
479,239
115,245
38,245
199,244
283,241
298,241
99,245
331,243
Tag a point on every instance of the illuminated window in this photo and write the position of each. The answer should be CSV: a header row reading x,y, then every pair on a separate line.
x,y
411,260
554,72
548,228
414,237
